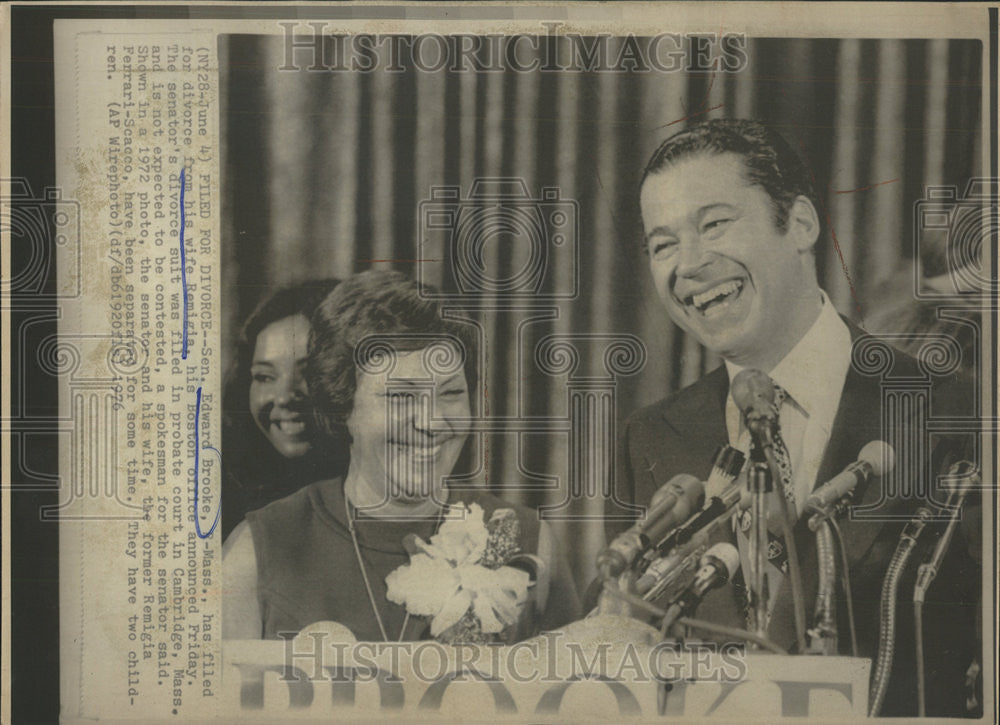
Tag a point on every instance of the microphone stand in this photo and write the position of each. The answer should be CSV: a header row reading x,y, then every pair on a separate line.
x,y
753,392
760,484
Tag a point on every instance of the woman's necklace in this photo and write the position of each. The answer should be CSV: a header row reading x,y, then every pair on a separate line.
x,y
364,572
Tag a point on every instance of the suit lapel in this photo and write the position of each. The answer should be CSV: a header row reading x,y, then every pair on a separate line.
x,y
699,412
857,422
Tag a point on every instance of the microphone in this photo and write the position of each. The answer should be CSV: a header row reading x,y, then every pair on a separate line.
x,y
721,494
726,466
662,572
876,458
964,476
718,565
671,506
753,393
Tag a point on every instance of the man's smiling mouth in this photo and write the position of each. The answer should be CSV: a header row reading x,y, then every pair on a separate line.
x,y
703,302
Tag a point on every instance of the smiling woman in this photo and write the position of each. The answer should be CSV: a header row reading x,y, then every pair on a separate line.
x,y
270,445
279,400
396,449
389,550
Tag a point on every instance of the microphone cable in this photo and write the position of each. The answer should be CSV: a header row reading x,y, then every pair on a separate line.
x,y
887,614
966,476
693,623
824,631
918,639
846,583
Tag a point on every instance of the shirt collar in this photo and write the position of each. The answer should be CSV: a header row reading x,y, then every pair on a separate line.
x,y
813,372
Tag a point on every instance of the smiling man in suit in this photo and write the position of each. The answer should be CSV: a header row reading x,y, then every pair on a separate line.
x,y
730,220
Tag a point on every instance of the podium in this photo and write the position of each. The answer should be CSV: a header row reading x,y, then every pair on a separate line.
x,y
598,668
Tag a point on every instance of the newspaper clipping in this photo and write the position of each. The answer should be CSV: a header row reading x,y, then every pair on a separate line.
x,y
500,362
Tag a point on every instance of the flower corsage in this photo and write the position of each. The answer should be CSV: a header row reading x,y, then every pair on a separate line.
x,y
460,580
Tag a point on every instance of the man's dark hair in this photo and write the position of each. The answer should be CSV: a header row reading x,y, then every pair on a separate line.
x,y
768,159
364,305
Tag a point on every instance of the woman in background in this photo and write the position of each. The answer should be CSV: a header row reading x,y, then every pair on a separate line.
x,y
271,444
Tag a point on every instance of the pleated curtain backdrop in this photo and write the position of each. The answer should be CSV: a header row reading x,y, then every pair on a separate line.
x,y
324,172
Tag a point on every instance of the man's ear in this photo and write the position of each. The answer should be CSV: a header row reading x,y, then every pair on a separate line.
x,y
803,224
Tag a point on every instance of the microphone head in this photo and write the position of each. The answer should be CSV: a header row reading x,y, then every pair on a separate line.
x,y
726,466
683,494
682,485
726,554
961,478
879,456
753,393
729,461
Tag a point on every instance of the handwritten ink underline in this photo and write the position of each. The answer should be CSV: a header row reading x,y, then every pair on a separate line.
x,y
184,282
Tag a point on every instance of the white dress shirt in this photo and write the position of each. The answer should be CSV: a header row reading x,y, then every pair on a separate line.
x,y
813,375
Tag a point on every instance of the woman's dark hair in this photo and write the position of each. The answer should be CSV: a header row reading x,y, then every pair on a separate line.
x,y
355,316
768,159
297,299
255,473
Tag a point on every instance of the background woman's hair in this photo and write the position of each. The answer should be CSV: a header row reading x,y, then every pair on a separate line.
x,y
251,465
363,305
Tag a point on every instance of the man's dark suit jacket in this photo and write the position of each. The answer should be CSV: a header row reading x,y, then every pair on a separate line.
x,y
681,434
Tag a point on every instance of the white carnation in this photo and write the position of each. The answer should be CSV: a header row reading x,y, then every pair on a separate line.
x,y
463,535
423,586
444,579
497,594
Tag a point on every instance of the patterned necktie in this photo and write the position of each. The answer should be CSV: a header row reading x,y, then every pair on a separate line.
x,y
781,455
777,556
